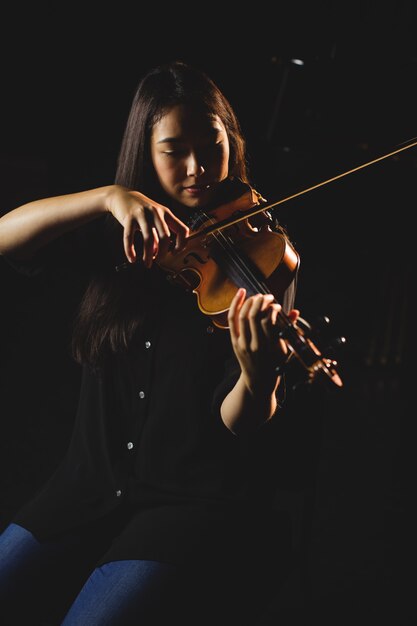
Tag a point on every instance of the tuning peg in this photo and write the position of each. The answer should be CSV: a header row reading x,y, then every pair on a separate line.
x,y
333,347
322,322
338,342
322,326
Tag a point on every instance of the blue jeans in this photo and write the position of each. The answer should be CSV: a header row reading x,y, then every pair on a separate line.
x,y
55,583
118,593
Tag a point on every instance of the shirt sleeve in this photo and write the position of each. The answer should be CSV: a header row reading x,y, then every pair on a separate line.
x,y
88,245
28,267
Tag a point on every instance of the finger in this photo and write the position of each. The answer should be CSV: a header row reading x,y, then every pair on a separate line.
x,y
245,324
269,321
268,306
257,316
167,225
162,230
130,227
180,229
276,340
260,316
147,229
294,314
156,243
234,309
275,311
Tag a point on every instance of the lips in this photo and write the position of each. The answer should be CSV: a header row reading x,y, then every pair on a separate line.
x,y
196,190
197,187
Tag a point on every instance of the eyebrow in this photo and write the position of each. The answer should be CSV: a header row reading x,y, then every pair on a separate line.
x,y
170,140
212,132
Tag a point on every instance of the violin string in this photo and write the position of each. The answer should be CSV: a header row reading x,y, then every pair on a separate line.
x,y
240,264
237,261
296,342
242,267
312,361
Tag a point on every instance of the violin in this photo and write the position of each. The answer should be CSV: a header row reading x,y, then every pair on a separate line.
x,y
226,251
232,246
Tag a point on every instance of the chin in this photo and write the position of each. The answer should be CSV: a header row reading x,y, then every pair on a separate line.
x,y
193,203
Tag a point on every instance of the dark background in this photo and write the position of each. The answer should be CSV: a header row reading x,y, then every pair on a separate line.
x,y
67,84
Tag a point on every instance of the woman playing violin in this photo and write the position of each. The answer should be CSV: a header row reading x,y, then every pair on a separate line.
x,y
162,506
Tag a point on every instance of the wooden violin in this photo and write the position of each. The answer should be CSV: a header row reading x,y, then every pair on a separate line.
x,y
227,250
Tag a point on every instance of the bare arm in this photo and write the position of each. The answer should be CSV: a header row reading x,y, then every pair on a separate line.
x,y
28,228
258,349
244,409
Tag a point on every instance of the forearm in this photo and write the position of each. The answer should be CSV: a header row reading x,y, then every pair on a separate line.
x,y
244,410
28,228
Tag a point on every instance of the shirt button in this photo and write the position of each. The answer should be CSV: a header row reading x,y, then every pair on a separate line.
x,y
129,445
147,344
141,394
118,493
210,329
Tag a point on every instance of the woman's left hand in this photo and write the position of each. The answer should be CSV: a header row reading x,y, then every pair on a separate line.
x,y
254,331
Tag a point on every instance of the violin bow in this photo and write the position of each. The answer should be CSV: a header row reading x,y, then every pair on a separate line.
x,y
250,213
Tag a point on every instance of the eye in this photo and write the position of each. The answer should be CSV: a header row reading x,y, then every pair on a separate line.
x,y
176,152
216,146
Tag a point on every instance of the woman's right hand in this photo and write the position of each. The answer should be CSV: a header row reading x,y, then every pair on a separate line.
x,y
156,223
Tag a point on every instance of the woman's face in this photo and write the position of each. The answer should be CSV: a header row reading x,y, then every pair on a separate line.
x,y
190,155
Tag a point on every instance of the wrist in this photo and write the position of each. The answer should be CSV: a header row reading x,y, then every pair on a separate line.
x,y
263,387
108,195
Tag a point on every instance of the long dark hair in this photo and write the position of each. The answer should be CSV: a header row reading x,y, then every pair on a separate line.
x,y
160,90
113,307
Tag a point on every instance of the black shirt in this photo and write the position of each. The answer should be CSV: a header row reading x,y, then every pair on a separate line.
x,y
149,440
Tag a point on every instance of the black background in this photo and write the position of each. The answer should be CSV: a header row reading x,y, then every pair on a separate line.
x,y
67,82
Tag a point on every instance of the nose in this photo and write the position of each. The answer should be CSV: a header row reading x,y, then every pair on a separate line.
x,y
194,165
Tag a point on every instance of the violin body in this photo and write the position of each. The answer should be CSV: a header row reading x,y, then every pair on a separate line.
x,y
215,264
232,246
